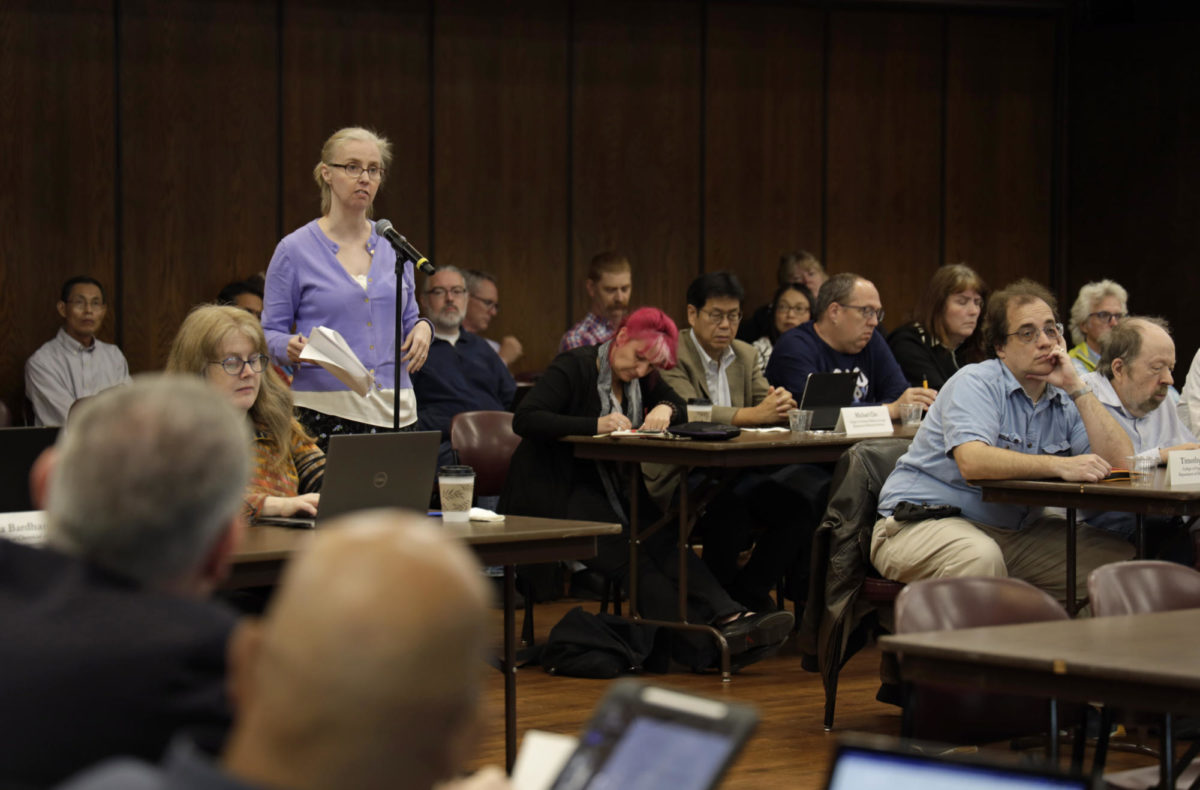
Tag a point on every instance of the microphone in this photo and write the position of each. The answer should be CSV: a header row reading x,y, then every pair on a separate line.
x,y
405,250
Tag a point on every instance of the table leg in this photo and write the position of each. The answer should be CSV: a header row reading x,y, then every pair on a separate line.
x,y
635,473
510,667
1072,603
1052,736
1166,769
1140,522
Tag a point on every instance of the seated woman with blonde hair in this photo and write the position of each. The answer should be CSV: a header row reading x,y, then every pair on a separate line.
x,y
226,346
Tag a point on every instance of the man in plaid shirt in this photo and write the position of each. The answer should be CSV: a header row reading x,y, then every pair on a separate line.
x,y
609,283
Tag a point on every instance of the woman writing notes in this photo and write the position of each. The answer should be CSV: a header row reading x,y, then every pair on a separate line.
x,y
226,346
610,387
947,334
337,272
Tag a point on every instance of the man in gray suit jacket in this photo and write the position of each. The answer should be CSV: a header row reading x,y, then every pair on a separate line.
x,y
713,365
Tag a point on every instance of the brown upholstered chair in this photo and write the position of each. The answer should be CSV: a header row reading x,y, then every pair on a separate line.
x,y
951,714
1141,587
5,415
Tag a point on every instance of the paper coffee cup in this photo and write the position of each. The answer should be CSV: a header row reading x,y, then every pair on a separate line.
x,y
456,486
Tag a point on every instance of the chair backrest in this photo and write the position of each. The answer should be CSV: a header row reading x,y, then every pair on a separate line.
x,y
1143,586
946,713
971,602
5,415
484,440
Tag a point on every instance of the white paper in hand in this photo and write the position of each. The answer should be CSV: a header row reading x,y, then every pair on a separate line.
x,y
329,349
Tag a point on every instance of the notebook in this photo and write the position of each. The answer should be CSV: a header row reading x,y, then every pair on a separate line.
x,y
825,394
867,764
21,447
372,470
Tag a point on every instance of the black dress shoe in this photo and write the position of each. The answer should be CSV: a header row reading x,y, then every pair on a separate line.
x,y
764,629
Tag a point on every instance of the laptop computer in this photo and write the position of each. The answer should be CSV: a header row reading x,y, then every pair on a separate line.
x,y
868,763
372,470
642,735
825,394
21,446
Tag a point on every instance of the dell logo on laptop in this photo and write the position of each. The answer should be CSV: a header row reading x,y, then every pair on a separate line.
x,y
380,479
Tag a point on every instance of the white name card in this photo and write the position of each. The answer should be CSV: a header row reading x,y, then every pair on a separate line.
x,y
1183,467
864,421
28,527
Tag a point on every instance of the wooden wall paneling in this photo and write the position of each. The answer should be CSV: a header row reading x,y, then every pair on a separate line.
x,y
357,63
999,146
199,171
1135,170
763,139
636,144
500,99
884,138
56,174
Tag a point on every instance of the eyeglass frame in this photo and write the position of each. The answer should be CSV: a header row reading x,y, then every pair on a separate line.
x,y
1056,327
225,363
1106,316
490,304
865,310
345,166
442,291
733,316
788,309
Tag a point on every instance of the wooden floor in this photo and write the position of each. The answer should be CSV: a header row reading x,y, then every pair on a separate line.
x,y
789,750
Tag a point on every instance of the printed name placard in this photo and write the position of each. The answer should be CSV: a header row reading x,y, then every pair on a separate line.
x,y
1183,467
28,527
864,421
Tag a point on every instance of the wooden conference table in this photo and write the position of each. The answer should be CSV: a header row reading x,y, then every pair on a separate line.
x,y
265,551
1143,662
1153,497
749,449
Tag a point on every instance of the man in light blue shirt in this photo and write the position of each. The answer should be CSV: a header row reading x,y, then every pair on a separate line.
x,y
1024,414
1133,380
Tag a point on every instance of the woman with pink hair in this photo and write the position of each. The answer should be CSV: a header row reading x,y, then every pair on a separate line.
x,y
609,387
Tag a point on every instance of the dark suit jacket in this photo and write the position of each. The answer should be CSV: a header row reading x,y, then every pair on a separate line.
x,y
92,666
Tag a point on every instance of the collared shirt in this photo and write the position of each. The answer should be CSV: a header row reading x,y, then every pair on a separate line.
x,y
463,376
985,403
592,330
1084,358
1150,433
64,370
715,373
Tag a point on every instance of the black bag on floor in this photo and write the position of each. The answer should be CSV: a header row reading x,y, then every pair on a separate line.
x,y
586,645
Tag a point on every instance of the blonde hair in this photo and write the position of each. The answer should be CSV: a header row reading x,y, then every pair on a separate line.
x,y
197,344
343,136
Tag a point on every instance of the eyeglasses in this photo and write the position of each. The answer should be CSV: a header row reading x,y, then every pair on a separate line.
x,y
1105,316
490,304
866,311
83,304
354,170
1029,333
235,365
788,309
441,292
718,318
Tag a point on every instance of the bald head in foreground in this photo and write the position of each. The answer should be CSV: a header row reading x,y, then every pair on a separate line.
x,y
364,673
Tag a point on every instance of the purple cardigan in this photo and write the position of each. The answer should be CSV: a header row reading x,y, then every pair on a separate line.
x,y
306,286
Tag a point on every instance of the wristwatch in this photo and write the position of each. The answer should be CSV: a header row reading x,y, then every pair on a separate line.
x,y
1079,393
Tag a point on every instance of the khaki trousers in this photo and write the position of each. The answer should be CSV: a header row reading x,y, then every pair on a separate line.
x,y
931,549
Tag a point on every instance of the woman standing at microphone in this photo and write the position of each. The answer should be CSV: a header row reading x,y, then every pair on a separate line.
x,y
338,272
